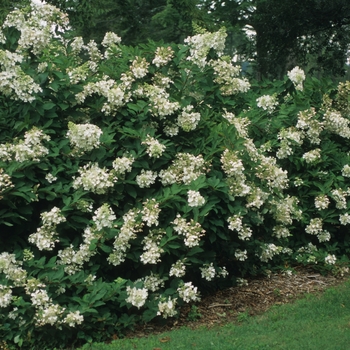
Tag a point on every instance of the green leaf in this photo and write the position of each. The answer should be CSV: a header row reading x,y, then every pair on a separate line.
x,y
7,223
131,191
48,105
174,245
106,248
18,340
195,250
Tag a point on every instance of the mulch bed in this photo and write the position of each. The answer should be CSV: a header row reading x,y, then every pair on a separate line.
x,y
231,304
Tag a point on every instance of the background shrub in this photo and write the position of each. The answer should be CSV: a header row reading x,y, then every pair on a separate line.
x,y
135,178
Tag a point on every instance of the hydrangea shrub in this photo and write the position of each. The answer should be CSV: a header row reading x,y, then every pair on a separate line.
x,y
134,179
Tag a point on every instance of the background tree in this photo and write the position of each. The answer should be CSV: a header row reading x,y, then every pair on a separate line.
x,y
135,21
7,6
310,33
314,34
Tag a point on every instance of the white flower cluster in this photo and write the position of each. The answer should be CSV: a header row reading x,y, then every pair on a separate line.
x,y
315,228
150,212
146,178
167,308
42,66
226,75
312,156
5,182
234,169
136,296
84,206
171,129
74,260
188,292
18,85
324,236
185,168
160,104
151,248
275,177
230,117
201,44
163,56
84,137
267,103
94,53
49,313
37,27
223,272
256,198
178,269
188,120
139,67
195,199
346,170
330,259
307,253
254,153
284,210
281,231
309,249
288,137
94,179
269,250
123,164
241,282
39,297
155,149
9,59
128,231
11,269
241,255
191,230
208,272
45,237
104,217
76,45
111,43
152,282
298,182
297,76
235,224
5,296
161,80
310,125
111,39
116,95
73,318
344,219
50,178
29,149
334,122
339,196
241,124
79,73
321,202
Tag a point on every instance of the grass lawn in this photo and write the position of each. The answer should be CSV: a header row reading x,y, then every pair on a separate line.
x,y
319,322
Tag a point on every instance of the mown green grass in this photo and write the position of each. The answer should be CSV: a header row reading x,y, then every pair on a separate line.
x,y
319,322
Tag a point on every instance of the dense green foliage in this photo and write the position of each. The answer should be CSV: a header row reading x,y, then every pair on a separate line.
x,y
132,176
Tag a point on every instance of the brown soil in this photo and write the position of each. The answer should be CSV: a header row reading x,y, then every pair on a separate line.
x,y
236,303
